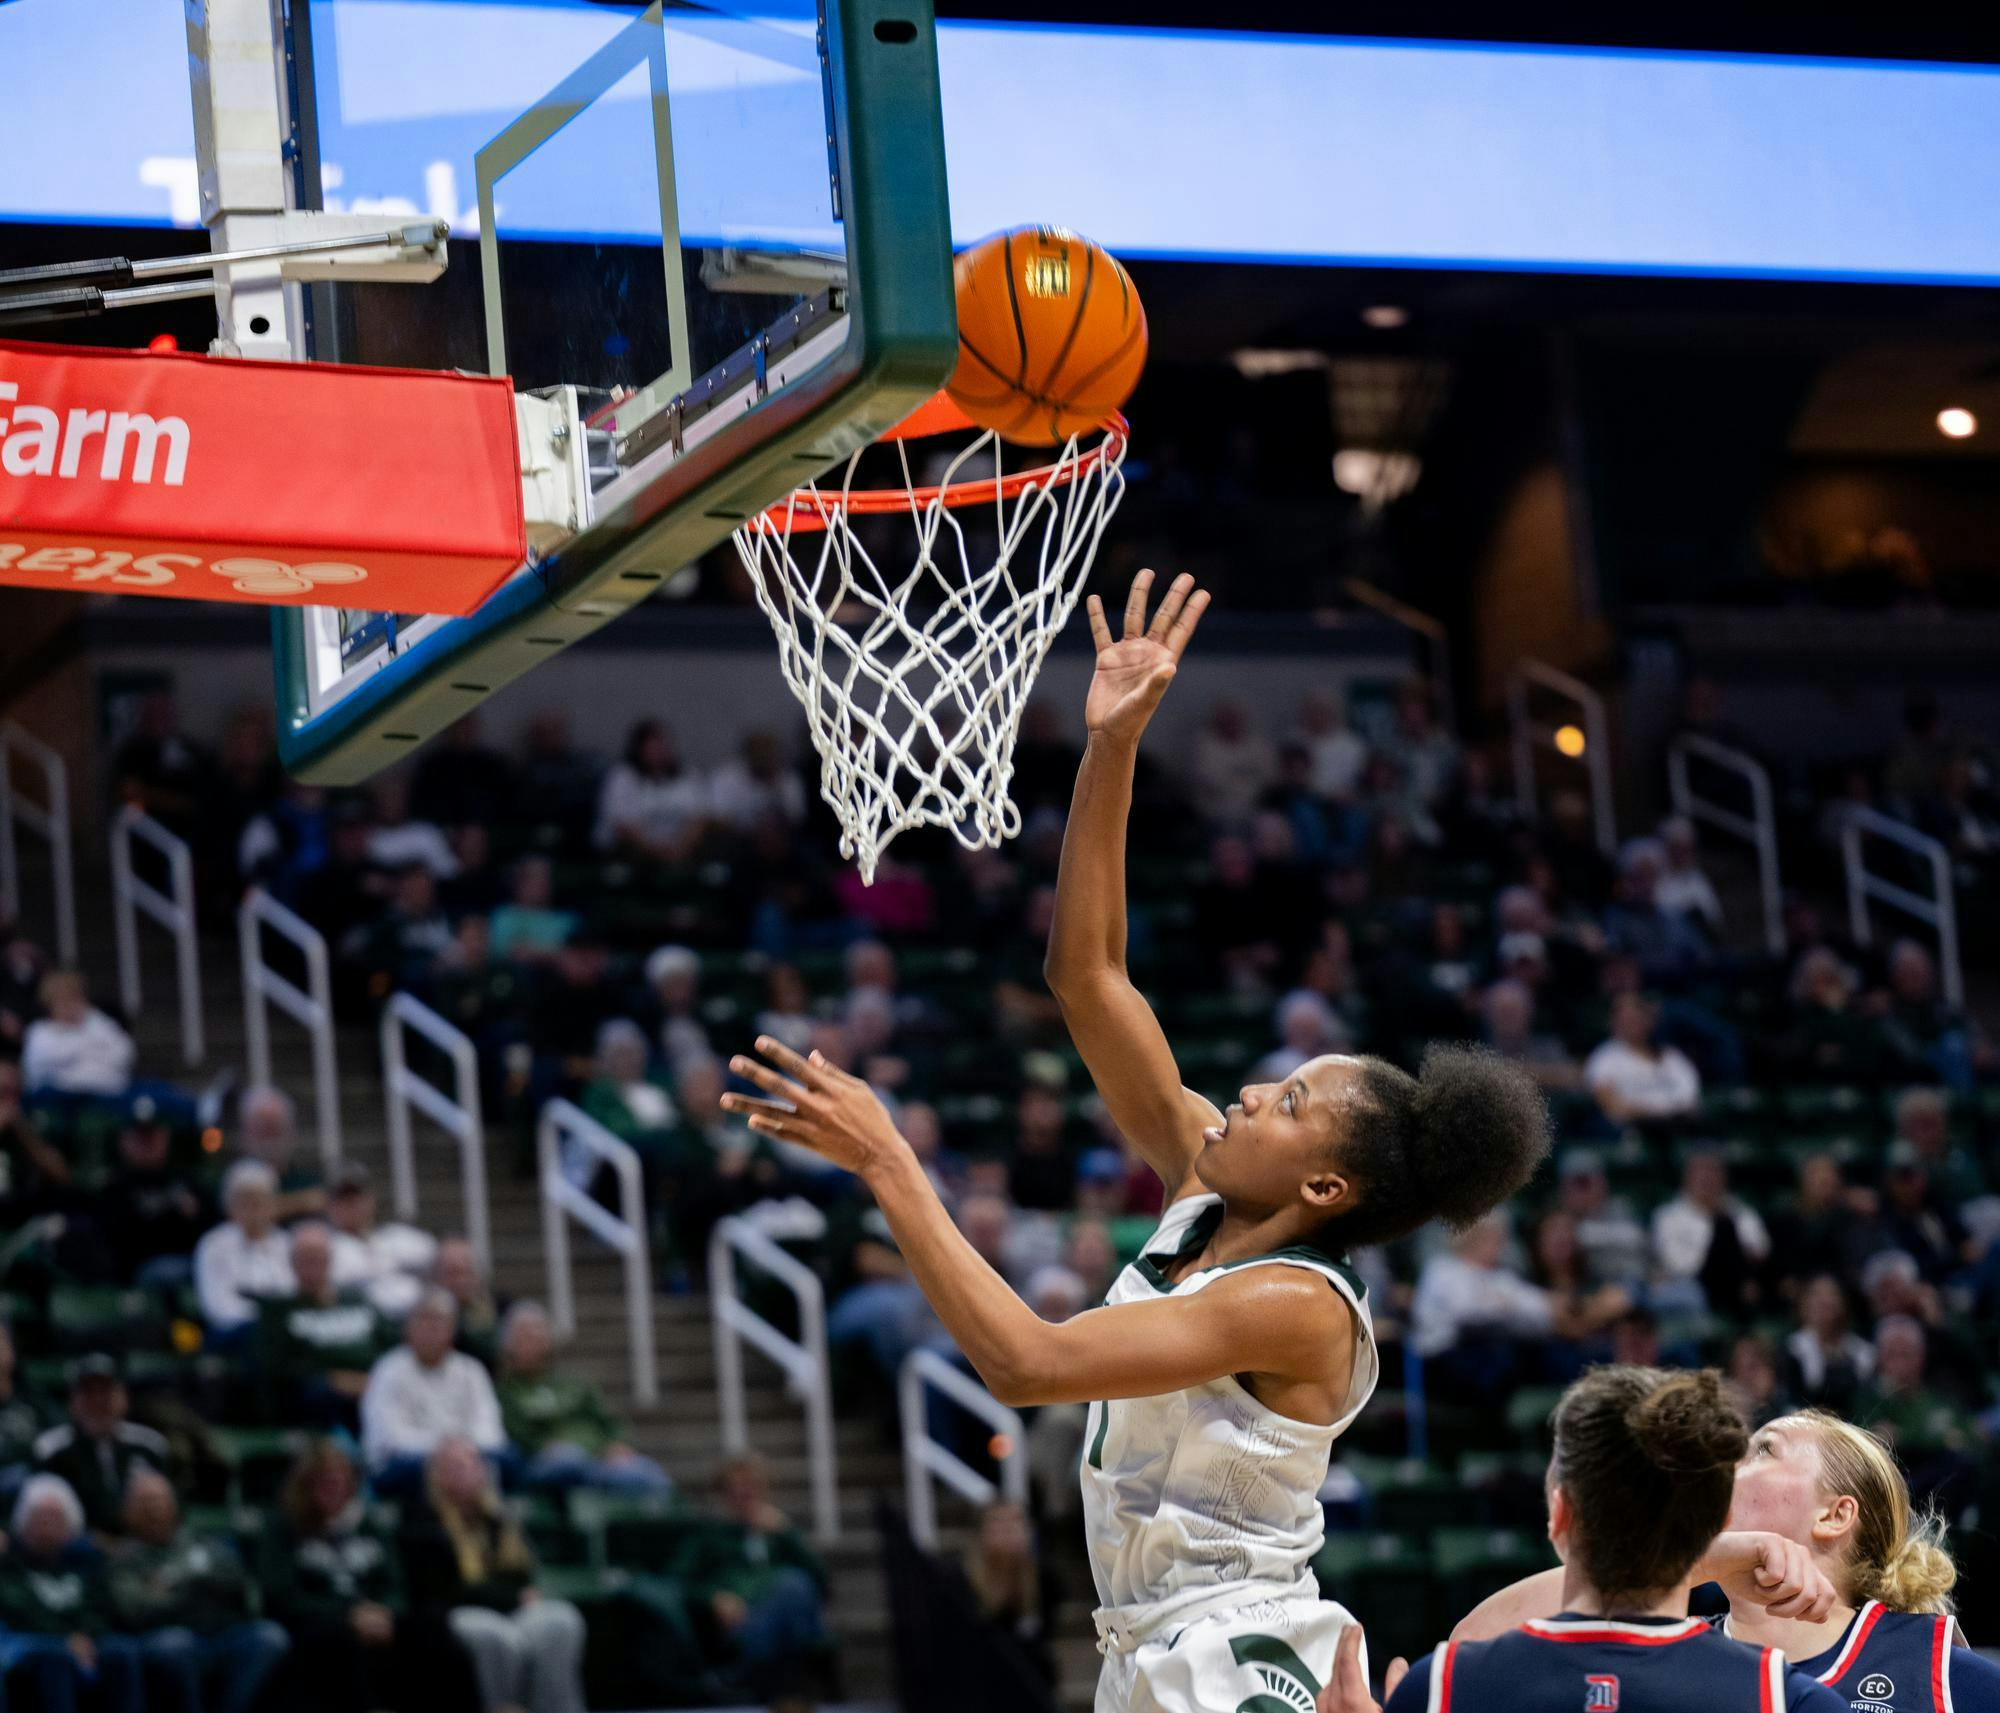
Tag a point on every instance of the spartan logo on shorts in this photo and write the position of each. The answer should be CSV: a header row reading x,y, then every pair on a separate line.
x,y
1600,1693
1288,1685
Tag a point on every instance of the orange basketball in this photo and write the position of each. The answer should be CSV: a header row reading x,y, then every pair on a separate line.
x,y
1051,335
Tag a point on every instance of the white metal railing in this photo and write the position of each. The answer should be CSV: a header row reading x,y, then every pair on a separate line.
x,y
173,909
311,1006
1759,828
803,1359
562,1128
1529,736
1436,640
924,1457
1939,910
457,1114
48,818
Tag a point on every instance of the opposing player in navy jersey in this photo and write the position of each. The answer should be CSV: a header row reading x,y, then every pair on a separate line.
x,y
1889,1643
1639,1487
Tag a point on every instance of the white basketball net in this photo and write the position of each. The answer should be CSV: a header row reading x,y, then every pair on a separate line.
x,y
913,688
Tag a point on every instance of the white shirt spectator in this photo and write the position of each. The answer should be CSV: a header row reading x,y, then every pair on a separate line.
x,y
408,1407
1811,1356
1688,892
742,799
232,1270
410,844
1660,1086
657,810
1233,763
1338,759
1682,1232
1455,1297
388,1265
92,1056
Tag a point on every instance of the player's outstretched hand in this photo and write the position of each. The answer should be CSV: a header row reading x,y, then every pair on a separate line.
x,y
1348,1692
1769,1571
836,1115
1133,671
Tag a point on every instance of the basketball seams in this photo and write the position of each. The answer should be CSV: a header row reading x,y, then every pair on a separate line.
x,y
1079,388
1014,303
1055,368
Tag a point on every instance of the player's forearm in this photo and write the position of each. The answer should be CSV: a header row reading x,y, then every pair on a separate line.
x,y
997,1332
1088,933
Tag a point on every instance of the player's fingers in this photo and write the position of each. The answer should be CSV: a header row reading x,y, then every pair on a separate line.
x,y
765,1078
1170,607
1100,631
1348,1692
751,1107
1190,616
793,1064
1399,1668
1135,604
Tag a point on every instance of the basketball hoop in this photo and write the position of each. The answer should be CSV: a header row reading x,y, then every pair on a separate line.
x,y
913,683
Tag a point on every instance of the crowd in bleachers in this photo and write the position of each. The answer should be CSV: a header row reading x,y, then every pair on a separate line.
x,y
1781,1164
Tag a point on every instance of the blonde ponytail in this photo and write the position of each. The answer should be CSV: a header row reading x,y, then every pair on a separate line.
x,y
1898,1556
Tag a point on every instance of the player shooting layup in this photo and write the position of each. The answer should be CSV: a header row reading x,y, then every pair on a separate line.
x,y
1229,1357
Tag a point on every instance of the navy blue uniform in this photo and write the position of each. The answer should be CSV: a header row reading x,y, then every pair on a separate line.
x,y
1574,1664
1905,1662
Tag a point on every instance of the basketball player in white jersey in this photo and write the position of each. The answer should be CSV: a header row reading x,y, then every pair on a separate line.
x,y
1228,1358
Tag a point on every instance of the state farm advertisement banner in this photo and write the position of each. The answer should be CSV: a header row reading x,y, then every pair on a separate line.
x,y
287,484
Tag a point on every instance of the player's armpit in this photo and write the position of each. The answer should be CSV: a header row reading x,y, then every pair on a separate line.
x,y
1286,1322
1129,1060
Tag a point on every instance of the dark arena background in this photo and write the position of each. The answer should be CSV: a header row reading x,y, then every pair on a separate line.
x,y
1601,509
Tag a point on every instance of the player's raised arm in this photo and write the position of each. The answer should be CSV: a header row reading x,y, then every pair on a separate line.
x,y
1113,1026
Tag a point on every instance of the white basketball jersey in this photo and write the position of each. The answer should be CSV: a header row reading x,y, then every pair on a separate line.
x,y
1204,1494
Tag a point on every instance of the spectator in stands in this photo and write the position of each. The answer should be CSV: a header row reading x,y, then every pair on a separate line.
x,y
1471,1315
558,781
673,982
1614,1245
478,887
1001,1569
336,1585
1754,1383
1670,948
1923,1120
159,769
1319,831
1580,1308
460,781
97,1450
1830,1038
756,784
75,1049
317,1345
1682,889
1307,1027
1041,1173
399,841
1926,1031
388,1263
1425,754
466,1559
787,1013
1931,1434
1336,751
1237,922
1508,1011
150,1213
458,1273
1232,765
422,1393
32,1174
1919,1221
1633,1077
761,1582
557,1424
1825,1361
245,1257
22,967
624,1096
1090,1255
652,803
408,938
185,1600
24,1417
271,1134
56,1638
1828,1228
1708,1246
528,929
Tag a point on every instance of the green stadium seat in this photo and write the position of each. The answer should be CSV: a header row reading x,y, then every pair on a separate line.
x,y
557,1541
1385,1581
1738,1106
1529,1413
85,1318
638,1531
1836,1106
257,1460
1411,1497
1471,1563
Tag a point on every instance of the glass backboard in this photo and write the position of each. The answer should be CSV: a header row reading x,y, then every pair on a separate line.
x,y
713,256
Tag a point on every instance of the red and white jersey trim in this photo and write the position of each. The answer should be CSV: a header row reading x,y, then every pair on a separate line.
x,y
1857,1633
1613,1630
